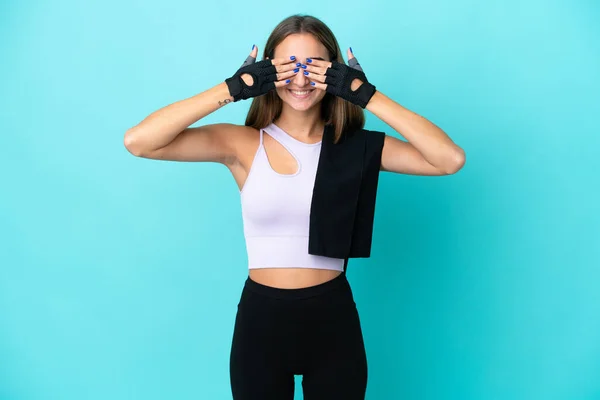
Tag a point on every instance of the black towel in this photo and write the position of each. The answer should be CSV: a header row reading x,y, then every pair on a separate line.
x,y
343,200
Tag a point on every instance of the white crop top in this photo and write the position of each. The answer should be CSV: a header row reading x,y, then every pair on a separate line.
x,y
276,208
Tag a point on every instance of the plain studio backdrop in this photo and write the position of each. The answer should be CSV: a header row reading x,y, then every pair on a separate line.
x,y
120,276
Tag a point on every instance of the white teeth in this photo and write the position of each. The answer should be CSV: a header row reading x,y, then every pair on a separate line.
x,y
300,93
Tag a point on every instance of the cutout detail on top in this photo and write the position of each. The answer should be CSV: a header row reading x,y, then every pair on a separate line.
x,y
279,156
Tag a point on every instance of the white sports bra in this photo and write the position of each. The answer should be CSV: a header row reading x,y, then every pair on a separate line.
x,y
276,208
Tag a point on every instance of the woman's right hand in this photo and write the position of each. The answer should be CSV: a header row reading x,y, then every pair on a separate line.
x,y
257,78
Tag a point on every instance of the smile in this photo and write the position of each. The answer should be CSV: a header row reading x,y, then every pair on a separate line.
x,y
300,94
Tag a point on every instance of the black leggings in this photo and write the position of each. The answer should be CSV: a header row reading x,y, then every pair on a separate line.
x,y
313,331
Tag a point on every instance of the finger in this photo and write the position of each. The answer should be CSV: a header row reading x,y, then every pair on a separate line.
x,y
315,69
282,83
283,60
314,77
334,72
281,76
318,85
352,61
281,65
318,63
286,75
251,59
288,66
278,72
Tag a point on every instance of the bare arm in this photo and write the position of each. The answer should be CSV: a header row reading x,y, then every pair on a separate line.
x,y
429,150
165,134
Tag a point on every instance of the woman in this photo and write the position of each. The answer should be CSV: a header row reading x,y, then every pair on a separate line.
x,y
296,314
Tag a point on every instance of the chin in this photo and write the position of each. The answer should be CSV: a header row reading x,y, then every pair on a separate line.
x,y
301,106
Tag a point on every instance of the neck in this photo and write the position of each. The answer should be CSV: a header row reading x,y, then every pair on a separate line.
x,y
305,125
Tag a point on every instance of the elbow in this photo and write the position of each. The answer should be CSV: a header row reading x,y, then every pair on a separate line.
x,y
457,161
131,144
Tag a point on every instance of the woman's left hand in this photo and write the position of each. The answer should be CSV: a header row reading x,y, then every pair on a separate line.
x,y
346,81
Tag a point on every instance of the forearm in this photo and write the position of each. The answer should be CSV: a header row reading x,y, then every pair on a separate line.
x,y
432,142
162,126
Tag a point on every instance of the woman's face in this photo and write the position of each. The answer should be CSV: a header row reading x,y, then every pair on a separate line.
x,y
303,46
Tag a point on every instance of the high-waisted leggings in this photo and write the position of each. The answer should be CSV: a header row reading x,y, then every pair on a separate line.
x,y
314,332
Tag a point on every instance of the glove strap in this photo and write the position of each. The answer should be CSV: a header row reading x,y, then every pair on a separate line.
x,y
364,93
235,87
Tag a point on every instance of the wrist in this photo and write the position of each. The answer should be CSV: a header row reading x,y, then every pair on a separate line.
x,y
373,100
222,94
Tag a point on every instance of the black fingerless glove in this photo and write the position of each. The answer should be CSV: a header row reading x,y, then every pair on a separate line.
x,y
264,75
339,77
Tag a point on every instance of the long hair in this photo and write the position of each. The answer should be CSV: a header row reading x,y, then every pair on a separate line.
x,y
341,115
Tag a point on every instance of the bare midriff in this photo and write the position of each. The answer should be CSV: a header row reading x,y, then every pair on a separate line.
x,y
292,278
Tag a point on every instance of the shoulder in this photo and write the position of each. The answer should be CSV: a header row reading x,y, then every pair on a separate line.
x,y
232,134
243,141
242,136
234,130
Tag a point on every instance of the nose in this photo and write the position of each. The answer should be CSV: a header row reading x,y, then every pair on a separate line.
x,y
300,79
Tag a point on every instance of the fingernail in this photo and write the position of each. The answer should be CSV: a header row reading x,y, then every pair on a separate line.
x,y
288,81
351,50
252,47
308,60
298,64
292,57
305,72
304,66
296,69
312,83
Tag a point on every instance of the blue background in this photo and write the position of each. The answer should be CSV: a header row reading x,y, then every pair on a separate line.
x,y
120,276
